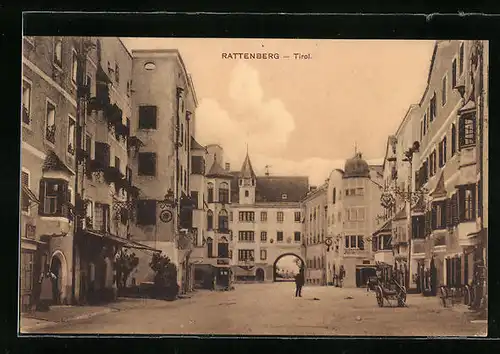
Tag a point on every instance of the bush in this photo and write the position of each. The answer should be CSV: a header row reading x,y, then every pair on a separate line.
x,y
165,280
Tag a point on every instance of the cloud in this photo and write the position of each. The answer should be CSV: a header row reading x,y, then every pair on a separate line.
x,y
265,125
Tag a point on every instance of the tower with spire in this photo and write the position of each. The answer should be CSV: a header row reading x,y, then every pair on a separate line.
x,y
247,181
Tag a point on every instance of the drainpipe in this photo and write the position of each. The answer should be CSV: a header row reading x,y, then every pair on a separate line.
x,y
79,132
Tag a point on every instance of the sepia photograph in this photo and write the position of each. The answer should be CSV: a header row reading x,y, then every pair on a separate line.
x,y
253,187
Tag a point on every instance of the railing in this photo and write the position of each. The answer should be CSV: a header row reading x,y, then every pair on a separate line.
x,y
50,133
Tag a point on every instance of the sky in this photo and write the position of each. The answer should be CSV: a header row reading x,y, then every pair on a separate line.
x,y
300,116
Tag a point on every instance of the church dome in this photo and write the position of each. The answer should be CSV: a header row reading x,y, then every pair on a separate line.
x,y
356,167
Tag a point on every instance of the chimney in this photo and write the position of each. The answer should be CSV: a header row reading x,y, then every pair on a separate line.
x,y
228,166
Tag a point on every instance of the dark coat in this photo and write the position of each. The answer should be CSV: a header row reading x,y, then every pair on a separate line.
x,y
299,279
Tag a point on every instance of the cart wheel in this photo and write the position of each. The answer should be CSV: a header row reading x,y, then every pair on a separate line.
x,y
467,296
402,298
380,298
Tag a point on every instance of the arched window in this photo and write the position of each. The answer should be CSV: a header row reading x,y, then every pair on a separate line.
x,y
58,51
210,249
210,220
224,193
210,194
223,221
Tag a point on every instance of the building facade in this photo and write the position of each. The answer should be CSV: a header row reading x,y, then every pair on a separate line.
x,y
315,210
351,256
162,123
266,222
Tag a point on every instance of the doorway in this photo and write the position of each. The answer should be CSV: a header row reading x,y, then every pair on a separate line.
x,y
56,269
362,275
259,274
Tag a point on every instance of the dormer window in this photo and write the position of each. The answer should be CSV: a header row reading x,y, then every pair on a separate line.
x,y
284,196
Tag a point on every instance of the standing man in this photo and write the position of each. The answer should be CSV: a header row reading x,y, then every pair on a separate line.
x,y
299,282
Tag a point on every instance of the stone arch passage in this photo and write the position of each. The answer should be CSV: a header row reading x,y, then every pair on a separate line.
x,y
284,255
58,266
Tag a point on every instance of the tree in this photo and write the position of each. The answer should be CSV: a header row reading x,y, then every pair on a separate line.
x,y
125,263
165,279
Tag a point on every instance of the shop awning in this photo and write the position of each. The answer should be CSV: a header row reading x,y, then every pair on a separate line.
x,y
140,246
108,236
32,197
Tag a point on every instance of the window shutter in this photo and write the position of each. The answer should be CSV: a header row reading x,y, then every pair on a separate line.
x,y
444,213
449,216
461,132
41,205
433,217
473,206
454,209
461,204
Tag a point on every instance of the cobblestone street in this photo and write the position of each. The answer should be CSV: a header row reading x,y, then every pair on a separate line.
x,y
271,309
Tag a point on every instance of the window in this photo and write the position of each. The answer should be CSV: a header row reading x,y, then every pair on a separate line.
x,y
467,202
146,212
246,255
223,250
50,122
297,216
296,236
25,201
71,136
58,51
53,197
147,117
354,242
223,221
88,82
117,73
210,220
74,67
210,247
453,139
197,165
467,134
263,236
334,195
433,107
231,216
210,194
438,215
101,214
432,163
425,124
247,194
454,73
263,216
147,164
194,197
279,236
246,236
26,114
461,58
117,162
444,92
263,255
247,216
224,193
279,216
360,191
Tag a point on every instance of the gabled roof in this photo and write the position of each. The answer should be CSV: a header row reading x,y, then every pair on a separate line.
x,y
386,227
53,163
440,190
216,171
247,169
196,145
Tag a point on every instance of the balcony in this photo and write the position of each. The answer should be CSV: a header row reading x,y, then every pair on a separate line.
x,y
466,232
50,134
384,256
113,175
468,156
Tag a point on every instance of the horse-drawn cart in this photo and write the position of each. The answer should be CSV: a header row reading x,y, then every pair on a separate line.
x,y
387,287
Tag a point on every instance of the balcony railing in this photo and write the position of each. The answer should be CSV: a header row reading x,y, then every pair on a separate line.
x,y
50,133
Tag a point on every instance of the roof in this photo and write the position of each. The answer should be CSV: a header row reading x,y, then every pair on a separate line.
x,y
271,188
386,227
216,171
433,59
53,163
440,190
356,167
196,145
247,169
